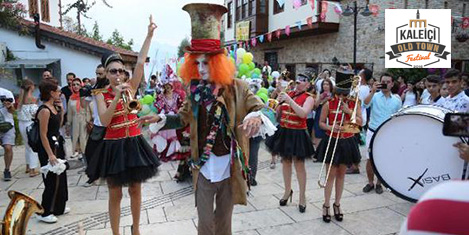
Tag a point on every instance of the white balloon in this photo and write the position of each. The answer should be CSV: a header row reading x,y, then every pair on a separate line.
x,y
240,52
275,74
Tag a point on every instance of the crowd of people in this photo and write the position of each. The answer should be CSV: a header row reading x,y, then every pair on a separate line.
x,y
214,128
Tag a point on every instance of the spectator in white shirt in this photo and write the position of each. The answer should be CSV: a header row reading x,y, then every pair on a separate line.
x,y
411,95
266,69
433,87
7,138
457,100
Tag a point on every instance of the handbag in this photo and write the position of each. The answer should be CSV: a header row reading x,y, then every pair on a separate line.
x,y
97,133
33,134
4,126
89,127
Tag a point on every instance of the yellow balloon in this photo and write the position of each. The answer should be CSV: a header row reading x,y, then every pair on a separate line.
x,y
247,58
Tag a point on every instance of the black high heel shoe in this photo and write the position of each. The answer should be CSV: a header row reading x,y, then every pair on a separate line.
x,y
338,216
326,218
302,208
283,202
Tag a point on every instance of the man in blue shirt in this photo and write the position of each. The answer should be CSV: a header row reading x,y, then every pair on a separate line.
x,y
382,104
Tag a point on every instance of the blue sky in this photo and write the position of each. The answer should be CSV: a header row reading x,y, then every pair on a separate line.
x,y
131,19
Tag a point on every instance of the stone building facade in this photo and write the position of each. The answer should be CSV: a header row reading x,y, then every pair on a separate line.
x,y
318,51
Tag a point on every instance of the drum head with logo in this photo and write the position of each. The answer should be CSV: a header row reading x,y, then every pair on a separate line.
x,y
410,154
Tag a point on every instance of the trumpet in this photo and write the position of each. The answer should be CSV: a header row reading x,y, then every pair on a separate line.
x,y
274,103
348,127
130,104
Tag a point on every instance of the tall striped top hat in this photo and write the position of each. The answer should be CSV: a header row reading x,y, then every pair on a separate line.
x,y
206,27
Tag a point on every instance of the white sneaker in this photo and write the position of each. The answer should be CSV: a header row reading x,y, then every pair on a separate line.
x,y
50,219
87,185
67,210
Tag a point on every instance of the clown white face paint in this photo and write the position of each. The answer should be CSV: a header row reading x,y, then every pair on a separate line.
x,y
202,65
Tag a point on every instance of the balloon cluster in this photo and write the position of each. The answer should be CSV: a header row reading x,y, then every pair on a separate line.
x,y
245,64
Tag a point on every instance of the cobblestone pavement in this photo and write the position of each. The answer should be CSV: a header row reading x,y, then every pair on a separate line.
x,y
168,207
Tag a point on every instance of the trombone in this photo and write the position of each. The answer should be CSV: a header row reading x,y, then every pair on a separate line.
x,y
349,127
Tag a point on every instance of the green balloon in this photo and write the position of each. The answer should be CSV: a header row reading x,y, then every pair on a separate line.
x,y
264,97
148,99
263,90
243,69
257,71
252,66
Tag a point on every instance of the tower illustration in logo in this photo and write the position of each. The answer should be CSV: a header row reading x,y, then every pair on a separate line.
x,y
418,43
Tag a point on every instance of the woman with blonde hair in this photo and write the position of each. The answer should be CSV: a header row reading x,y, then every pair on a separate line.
x,y
27,108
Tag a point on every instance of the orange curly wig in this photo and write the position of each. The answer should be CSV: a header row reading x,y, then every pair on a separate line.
x,y
222,70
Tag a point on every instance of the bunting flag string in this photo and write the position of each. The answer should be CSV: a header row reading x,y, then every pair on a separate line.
x,y
269,37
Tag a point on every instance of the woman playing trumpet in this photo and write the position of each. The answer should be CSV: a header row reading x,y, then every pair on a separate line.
x,y
125,158
335,115
291,141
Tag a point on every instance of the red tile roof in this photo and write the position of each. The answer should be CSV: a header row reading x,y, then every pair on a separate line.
x,y
89,41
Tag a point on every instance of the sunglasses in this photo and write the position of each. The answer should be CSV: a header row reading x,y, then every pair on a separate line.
x,y
7,100
76,84
115,71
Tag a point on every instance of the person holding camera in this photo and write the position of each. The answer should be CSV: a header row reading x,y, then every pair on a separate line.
x,y
78,115
382,104
7,130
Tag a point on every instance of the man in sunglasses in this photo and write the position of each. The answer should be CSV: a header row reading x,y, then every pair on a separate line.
x,y
7,130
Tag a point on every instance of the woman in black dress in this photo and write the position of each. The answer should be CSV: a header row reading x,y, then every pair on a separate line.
x,y
50,115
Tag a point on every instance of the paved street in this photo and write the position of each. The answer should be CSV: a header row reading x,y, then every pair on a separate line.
x,y
168,207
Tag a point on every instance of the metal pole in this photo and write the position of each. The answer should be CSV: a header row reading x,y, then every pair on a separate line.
x,y
355,14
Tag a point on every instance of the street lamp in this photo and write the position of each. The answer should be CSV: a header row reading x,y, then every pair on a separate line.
x,y
354,11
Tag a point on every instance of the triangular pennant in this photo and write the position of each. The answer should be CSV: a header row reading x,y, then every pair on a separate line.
x,y
298,24
323,16
287,30
325,5
296,4
465,22
312,3
309,21
374,8
253,42
281,2
261,38
269,37
278,33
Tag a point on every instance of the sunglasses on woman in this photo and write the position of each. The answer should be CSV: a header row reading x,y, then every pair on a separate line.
x,y
115,71
7,100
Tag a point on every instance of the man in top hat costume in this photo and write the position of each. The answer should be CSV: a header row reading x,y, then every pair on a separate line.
x,y
222,113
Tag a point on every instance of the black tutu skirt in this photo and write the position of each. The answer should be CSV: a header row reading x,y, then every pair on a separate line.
x,y
290,143
123,162
347,151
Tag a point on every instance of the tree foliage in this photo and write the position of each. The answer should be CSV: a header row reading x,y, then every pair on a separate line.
x,y
95,34
182,46
118,40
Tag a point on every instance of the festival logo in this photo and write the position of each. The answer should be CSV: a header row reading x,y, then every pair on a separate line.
x,y
418,38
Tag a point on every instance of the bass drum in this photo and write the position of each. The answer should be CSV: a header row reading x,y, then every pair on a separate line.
x,y
410,154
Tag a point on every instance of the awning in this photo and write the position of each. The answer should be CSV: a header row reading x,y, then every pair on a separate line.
x,y
28,64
